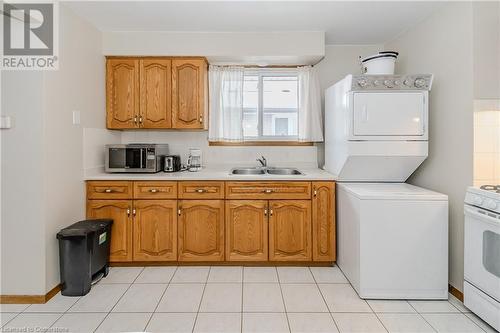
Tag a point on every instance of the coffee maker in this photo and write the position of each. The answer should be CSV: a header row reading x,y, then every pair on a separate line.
x,y
194,162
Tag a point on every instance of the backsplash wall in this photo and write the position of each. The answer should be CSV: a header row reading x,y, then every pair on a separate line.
x,y
180,141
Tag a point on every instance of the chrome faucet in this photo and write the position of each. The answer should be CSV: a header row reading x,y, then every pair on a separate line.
x,y
262,161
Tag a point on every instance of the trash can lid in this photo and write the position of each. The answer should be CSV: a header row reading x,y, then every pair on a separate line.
x,y
84,228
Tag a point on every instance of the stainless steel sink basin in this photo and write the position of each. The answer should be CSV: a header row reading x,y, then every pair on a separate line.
x,y
263,171
247,171
283,171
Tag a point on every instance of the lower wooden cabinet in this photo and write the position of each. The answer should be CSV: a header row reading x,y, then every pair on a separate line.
x,y
121,230
246,230
290,230
323,221
160,221
155,230
201,230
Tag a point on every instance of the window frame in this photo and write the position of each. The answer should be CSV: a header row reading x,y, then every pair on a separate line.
x,y
261,73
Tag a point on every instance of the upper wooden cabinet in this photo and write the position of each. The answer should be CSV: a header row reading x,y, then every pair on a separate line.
x,y
155,77
156,93
189,93
323,221
122,93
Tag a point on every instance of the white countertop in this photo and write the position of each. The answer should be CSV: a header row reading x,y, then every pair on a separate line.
x,y
213,173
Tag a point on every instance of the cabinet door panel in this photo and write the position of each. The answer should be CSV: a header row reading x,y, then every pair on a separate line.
x,y
323,221
156,92
189,78
155,230
246,230
290,230
122,93
201,230
121,230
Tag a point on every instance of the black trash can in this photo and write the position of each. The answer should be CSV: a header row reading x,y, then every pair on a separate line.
x,y
83,254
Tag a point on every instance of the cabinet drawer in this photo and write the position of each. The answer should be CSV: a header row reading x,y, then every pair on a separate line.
x,y
201,190
268,190
109,190
155,190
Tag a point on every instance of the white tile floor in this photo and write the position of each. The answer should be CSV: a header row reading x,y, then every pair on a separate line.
x,y
234,299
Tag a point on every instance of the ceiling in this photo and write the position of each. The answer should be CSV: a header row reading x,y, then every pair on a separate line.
x,y
344,22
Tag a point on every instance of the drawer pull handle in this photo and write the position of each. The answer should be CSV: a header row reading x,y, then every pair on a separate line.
x,y
267,191
108,190
153,190
201,190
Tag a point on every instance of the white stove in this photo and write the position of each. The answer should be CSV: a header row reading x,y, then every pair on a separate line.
x,y
482,253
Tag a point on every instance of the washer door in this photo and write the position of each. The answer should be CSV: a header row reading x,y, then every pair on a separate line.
x,y
482,250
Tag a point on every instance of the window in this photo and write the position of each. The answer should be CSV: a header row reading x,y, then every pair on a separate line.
x,y
270,105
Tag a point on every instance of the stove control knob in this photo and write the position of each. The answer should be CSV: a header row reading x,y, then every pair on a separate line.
x,y
477,200
490,204
420,82
389,83
397,83
376,82
408,83
362,83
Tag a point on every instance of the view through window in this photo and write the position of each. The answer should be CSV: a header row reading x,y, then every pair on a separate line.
x,y
270,105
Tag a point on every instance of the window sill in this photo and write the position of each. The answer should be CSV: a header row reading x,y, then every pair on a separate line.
x,y
261,143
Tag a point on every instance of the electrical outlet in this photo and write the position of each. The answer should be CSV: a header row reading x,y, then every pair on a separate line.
x,y
76,117
5,122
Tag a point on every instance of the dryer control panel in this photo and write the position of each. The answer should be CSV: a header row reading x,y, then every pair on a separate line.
x,y
391,82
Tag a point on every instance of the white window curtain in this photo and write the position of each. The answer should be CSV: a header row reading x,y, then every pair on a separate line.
x,y
309,117
226,103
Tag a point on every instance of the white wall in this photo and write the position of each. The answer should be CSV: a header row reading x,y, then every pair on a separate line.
x,y
42,155
77,85
442,45
21,226
301,47
486,43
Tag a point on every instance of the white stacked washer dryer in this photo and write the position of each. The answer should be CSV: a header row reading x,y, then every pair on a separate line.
x,y
392,236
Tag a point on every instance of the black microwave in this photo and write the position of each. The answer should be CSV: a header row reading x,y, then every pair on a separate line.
x,y
135,157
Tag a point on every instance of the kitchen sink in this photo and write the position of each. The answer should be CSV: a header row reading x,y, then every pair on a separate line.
x,y
283,171
264,171
247,171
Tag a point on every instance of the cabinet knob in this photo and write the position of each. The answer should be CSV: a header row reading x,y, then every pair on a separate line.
x,y
128,211
134,212
140,120
267,190
315,192
108,190
201,119
135,120
179,212
265,212
201,190
153,190
271,212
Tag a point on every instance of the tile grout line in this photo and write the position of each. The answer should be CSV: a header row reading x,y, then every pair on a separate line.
x,y
422,316
161,297
201,299
283,300
324,300
461,312
376,315
109,312
242,287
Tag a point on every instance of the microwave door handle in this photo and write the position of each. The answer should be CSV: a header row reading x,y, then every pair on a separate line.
x,y
140,158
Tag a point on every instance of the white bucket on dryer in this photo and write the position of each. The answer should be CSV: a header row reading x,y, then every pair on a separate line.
x,y
381,63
